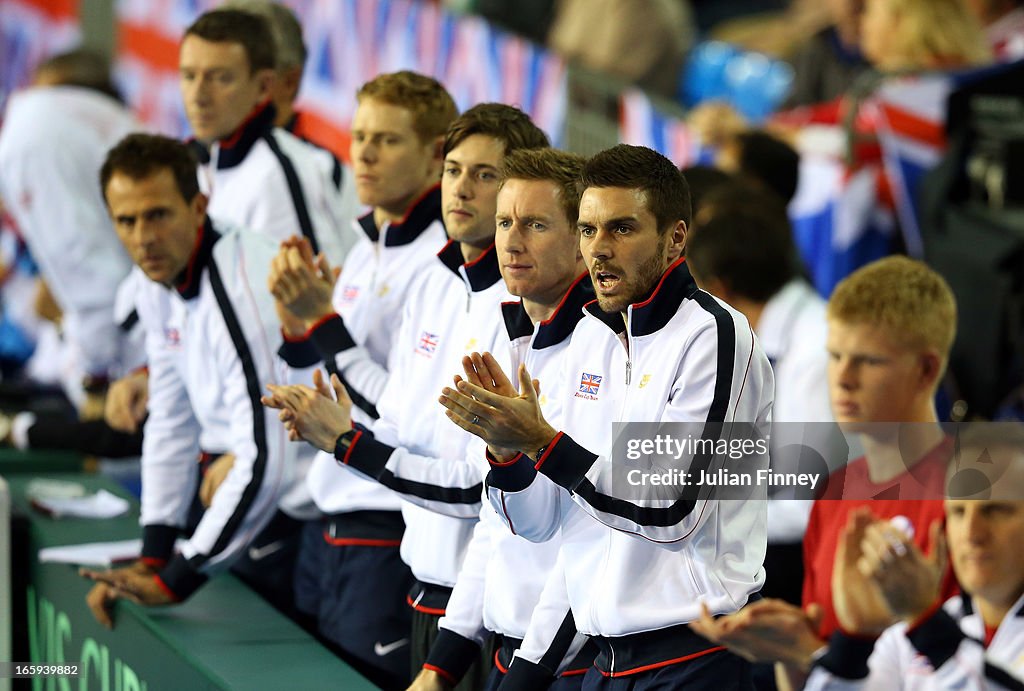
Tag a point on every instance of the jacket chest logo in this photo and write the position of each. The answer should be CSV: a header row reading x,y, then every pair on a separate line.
x,y
172,337
349,294
644,380
590,384
427,344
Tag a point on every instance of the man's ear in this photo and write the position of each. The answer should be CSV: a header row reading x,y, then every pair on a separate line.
x,y
265,80
437,156
291,80
677,240
931,368
199,204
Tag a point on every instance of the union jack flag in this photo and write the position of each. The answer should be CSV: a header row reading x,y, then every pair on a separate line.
x,y
590,383
427,343
349,294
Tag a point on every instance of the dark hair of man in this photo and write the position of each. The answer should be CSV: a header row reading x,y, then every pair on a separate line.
x,y
749,247
507,124
551,165
640,168
701,179
771,162
244,28
82,67
284,26
139,156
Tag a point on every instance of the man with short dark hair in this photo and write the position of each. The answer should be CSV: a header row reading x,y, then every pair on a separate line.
x,y
290,64
744,255
257,175
500,584
652,347
208,327
765,161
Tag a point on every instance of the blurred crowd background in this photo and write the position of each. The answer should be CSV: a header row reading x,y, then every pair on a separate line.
x,y
887,126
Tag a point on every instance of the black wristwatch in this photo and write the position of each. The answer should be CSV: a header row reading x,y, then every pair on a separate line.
x,y
95,383
344,441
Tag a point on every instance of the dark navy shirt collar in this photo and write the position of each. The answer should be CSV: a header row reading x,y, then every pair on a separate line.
x,y
187,282
559,326
423,212
200,150
292,123
651,315
482,272
235,148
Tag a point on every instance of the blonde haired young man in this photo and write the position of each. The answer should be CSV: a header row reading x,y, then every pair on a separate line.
x,y
350,576
890,329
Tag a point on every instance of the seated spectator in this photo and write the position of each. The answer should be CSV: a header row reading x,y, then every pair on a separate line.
x,y
830,60
745,256
765,160
896,37
905,35
971,641
641,41
890,328
702,179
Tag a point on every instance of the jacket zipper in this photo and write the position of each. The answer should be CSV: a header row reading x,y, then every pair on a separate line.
x,y
629,346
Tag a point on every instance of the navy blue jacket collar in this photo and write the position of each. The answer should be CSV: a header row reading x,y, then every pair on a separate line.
x,y
417,219
187,283
199,149
651,315
235,148
556,328
482,272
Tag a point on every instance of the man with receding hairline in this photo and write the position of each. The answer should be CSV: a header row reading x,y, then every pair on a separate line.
x,y
210,329
652,347
972,640
258,176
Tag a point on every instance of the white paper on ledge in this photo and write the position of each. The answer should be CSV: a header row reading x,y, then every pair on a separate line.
x,y
102,504
93,553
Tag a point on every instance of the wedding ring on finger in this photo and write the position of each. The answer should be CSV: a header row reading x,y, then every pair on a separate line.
x,y
475,420
896,546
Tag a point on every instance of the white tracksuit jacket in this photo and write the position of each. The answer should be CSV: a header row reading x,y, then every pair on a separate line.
x,y
212,344
639,563
501,580
413,448
369,297
265,179
943,651
53,142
